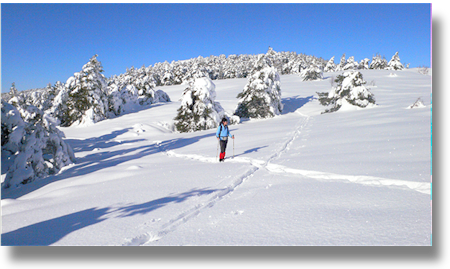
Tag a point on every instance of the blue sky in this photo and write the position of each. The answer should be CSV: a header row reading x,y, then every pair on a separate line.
x,y
45,43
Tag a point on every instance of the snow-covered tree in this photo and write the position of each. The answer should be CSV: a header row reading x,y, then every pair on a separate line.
x,y
342,63
13,91
198,110
84,99
32,146
378,62
395,63
364,64
311,73
331,66
261,97
132,89
350,90
350,64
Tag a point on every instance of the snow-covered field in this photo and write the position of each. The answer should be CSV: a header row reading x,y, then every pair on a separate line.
x,y
354,177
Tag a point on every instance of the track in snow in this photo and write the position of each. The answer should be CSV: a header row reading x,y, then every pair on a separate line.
x,y
219,195
256,165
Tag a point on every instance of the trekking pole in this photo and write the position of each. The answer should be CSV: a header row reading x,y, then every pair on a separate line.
x,y
217,152
233,147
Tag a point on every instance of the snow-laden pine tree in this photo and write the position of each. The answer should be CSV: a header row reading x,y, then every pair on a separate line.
x,y
32,146
351,64
331,66
84,97
395,63
364,64
342,63
198,110
378,62
13,91
132,89
261,97
311,73
350,91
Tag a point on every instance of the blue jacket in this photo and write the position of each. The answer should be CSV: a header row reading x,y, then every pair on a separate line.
x,y
222,131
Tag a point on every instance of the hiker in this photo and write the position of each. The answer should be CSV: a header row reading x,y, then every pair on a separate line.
x,y
222,135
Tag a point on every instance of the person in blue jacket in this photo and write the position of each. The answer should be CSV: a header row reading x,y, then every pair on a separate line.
x,y
222,135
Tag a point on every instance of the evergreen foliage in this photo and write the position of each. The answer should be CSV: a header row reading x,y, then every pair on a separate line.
x,y
32,146
312,73
350,90
198,110
395,63
261,97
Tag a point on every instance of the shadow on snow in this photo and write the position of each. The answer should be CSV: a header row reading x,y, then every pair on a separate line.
x,y
97,161
51,231
291,104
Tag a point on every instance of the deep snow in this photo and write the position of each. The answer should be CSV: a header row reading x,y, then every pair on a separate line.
x,y
354,177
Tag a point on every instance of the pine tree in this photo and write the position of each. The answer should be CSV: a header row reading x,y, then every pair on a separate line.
x,y
13,91
198,110
84,99
331,66
364,64
261,97
342,63
378,62
395,63
350,64
311,73
350,90
32,146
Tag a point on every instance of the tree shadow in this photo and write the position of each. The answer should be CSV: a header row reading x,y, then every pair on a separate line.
x,y
100,160
102,142
291,104
51,231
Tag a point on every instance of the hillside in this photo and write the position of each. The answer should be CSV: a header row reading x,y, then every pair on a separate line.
x,y
353,177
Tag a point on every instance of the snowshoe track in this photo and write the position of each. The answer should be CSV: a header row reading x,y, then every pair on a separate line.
x,y
219,195
256,165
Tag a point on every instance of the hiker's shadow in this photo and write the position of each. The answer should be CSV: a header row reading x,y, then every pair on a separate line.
x,y
250,151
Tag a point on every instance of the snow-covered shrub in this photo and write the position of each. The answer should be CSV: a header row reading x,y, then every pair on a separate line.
x,y
395,64
311,73
261,97
198,110
32,146
417,104
423,70
350,90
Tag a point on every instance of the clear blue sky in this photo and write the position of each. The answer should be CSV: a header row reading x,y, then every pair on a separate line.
x,y
45,43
